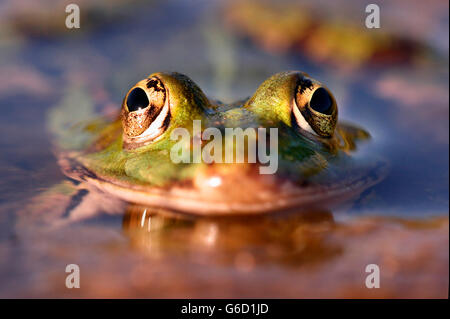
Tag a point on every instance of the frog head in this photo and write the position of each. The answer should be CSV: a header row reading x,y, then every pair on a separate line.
x,y
172,147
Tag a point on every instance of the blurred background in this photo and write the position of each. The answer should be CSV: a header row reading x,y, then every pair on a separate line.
x,y
393,81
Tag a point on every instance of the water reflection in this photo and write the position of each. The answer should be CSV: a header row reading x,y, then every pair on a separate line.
x,y
294,255
290,239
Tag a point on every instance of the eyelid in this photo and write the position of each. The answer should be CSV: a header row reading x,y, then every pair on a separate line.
x,y
301,121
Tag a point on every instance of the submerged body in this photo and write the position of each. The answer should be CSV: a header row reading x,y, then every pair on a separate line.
x,y
130,157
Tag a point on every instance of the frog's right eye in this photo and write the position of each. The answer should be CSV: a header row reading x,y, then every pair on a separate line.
x,y
145,111
137,99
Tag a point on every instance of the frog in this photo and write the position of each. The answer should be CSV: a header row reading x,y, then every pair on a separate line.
x,y
128,156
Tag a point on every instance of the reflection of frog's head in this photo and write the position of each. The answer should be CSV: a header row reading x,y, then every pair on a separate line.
x,y
170,148
292,239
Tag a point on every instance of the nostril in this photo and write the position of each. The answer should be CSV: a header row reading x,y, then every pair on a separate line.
x,y
321,101
137,99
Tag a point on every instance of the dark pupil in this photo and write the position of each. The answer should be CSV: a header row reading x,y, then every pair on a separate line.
x,y
137,99
321,101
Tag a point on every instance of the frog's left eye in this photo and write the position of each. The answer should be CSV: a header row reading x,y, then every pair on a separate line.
x,y
145,111
315,108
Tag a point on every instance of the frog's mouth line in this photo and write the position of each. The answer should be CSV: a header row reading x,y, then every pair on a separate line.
x,y
191,200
